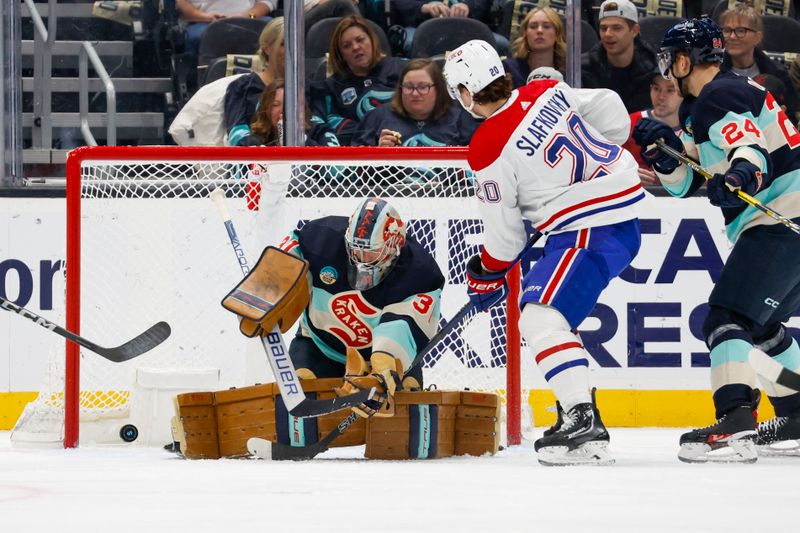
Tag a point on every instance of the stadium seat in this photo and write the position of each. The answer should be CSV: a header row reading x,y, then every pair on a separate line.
x,y
318,37
652,29
440,35
230,65
236,35
510,15
589,36
781,34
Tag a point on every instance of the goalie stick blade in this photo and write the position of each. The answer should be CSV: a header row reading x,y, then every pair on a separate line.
x,y
259,448
264,449
771,369
135,347
312,408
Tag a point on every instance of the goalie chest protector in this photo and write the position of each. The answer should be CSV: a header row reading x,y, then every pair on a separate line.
x,y
210,425
436,423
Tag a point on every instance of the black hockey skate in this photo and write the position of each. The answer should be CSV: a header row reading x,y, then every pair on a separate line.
x,y
578,438
779,436
731,439
560,414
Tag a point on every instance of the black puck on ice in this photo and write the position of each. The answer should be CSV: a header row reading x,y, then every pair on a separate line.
x,y
128,433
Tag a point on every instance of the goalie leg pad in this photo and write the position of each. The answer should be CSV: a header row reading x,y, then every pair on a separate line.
x,y
423,427
274,293
230,417
478,424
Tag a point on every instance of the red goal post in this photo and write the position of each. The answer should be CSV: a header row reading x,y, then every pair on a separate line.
x,y
143,245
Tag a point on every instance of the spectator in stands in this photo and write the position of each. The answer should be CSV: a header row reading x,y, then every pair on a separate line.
x,y
267,126
666,100
411,13
198,14
541,43
362,79
621,61
316,10
420,113
243,94
742,29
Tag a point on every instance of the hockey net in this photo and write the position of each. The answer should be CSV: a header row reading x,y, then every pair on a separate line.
x,y
146,244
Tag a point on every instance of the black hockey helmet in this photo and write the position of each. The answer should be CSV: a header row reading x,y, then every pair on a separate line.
x,y
700,38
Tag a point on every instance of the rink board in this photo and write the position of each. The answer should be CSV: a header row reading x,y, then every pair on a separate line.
x,y
644,336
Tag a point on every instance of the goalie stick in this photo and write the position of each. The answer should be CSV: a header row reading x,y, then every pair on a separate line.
x,y
277,355
135,347
265,449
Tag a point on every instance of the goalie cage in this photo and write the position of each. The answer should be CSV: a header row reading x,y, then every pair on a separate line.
x,y
144,243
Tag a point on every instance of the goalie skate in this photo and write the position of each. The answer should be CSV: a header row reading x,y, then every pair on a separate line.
x,y
731,439
579,438
779,436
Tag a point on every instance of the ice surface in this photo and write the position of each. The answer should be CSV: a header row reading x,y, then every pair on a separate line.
x,y
149,490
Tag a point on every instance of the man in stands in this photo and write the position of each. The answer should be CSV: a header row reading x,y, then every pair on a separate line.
x,y
666,100
621,61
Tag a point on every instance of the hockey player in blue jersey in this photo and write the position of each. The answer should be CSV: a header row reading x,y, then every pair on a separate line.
x,y
742,136
375,294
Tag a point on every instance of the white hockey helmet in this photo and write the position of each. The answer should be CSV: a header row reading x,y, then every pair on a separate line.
x,y
374,238
475,64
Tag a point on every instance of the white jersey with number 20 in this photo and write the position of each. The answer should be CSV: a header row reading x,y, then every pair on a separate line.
x,y
552,155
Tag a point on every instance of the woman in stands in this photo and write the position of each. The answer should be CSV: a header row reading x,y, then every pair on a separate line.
x,y
742,31
267,128
243,94
541,43
198,14
420,113
362,79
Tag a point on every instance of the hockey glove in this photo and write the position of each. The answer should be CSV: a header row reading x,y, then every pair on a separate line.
x,y
383,372
485,289
646,132
742,175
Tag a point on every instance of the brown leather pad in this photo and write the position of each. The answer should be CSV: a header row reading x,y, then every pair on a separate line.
x,y
275,292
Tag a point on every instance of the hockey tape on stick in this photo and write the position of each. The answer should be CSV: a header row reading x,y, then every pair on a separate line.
x,y
771,369
746,198
277,355
135,347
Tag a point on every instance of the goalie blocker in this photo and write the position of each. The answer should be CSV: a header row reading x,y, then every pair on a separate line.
x,y
274,293
426,424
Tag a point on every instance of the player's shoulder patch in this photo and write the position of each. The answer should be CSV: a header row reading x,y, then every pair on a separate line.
x,y
492,136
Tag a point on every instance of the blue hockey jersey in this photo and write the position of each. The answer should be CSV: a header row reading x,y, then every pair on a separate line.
x,y
735,118
398,316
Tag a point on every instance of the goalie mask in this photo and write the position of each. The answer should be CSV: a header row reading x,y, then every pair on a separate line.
x,y
475,64
374,238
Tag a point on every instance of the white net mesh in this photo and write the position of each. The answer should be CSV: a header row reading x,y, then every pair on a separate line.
x,y
153,247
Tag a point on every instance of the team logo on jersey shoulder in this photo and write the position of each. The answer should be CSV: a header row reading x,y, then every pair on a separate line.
x,y
525,105
328,275
348,96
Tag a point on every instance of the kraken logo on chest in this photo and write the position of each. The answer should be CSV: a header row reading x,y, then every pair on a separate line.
x,y
350,311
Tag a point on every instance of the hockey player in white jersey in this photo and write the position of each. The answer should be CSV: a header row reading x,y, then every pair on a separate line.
x,y
550,154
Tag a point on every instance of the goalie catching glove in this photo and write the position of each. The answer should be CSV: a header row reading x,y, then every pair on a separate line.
x,y
485,289
383,372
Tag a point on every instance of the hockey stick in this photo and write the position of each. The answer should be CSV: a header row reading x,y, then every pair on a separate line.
x,y
277,355
135,347
265,449
695,166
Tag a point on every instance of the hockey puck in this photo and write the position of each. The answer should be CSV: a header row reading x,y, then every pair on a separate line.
x,y
128,433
